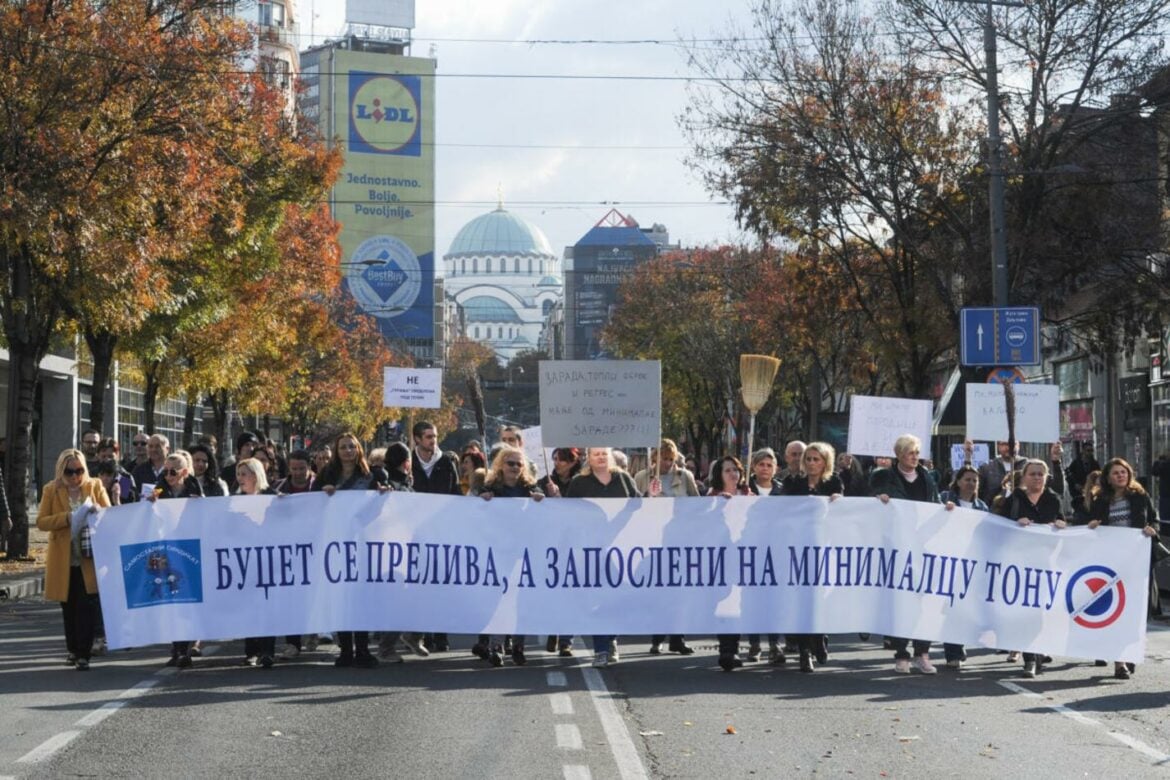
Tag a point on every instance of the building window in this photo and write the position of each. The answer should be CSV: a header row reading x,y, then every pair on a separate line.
x,y
463,266
475,265
542,268
500,332
530,265
272,14
516,266
476,331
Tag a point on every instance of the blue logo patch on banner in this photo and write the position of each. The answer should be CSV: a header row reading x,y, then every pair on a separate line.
x,y
169,572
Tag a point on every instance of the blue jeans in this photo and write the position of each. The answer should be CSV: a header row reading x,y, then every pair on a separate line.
x,y
601,642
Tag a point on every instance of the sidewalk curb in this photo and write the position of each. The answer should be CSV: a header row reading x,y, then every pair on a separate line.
x,y
23,588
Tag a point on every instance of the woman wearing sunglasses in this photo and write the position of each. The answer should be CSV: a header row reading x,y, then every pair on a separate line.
x,y
69,573
509,477
177,482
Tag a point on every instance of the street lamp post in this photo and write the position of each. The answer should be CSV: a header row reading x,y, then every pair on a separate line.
x,y
999,263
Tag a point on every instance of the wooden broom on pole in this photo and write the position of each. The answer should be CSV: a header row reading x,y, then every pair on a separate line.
x,y
756,375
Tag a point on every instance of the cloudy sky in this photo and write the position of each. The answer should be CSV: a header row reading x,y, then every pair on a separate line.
x,y
549,143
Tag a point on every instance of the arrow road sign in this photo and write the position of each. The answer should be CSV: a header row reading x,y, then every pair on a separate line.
x,y
1000,337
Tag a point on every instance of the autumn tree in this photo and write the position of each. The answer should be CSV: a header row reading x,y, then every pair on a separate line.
x,y
1084,185
827,135
683,308
106,112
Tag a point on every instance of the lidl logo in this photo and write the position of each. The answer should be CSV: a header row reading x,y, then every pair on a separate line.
x,y
384,114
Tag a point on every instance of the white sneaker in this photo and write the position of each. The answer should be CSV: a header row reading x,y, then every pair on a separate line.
x,y
614,655
955,663
99,646
600,660
902,666
289,652
922,663
310,643
415,644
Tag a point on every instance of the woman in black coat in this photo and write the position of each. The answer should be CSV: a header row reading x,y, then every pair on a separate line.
x,y
817,478
177,482
1121,502
347,470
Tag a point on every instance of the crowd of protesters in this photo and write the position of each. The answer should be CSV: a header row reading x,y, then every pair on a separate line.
x,y
1022,490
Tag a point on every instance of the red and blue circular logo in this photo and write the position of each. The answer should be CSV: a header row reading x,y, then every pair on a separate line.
x,y
1095,597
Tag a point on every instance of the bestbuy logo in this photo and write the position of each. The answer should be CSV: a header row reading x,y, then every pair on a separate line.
x,y
384,114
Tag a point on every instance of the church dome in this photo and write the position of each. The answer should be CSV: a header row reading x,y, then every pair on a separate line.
x,y
484,308
499,233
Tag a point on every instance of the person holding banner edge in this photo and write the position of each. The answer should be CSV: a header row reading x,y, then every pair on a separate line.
x,y
70,577
1119,500
909,480
601,478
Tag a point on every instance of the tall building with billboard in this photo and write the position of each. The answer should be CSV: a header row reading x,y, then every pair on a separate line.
x,y
377,103
594,269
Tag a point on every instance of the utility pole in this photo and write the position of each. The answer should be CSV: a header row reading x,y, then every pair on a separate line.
x,y
999,262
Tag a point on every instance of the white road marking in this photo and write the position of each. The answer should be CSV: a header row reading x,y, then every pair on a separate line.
x,y
48,748
101,713
561,703
628,763
1141,747
55,743
557,679
568,736
572,772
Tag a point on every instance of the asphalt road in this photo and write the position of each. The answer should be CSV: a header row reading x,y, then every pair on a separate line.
x,y
451,716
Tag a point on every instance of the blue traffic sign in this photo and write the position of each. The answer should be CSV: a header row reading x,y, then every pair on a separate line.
x,y
1000,337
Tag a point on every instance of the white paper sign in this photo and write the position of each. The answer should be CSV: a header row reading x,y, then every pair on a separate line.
x,y
601,403
418,388
980,454
538,455
874,424
1037,412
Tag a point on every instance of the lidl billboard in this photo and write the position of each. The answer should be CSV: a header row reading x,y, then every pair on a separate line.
x,y
383,113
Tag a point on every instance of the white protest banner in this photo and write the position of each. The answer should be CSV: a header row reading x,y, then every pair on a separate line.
x,y
980,454
538,455
601,403
875,423
418,388
270,566
1037,412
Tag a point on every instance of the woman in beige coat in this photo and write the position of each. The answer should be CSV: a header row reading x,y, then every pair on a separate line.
x,y
69,573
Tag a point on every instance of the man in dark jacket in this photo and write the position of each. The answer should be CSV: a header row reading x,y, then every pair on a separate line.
x,y
432,472
1078,472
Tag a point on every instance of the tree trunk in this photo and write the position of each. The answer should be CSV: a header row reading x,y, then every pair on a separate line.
x,y
22,390
220,406
101,348
29,317
189,416
150,396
